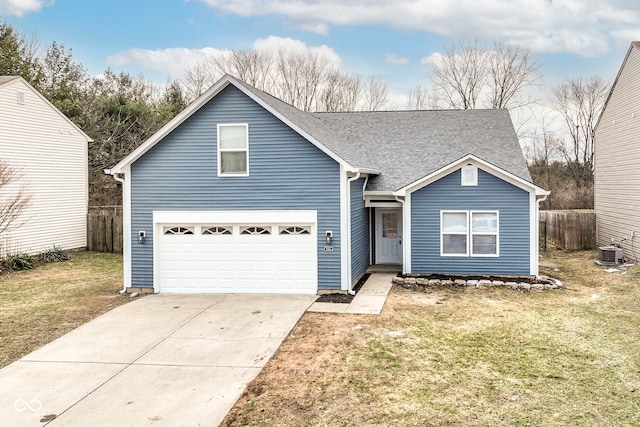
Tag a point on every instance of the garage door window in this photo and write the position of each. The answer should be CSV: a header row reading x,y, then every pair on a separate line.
x,y
297,230
217,230
255,229
177,230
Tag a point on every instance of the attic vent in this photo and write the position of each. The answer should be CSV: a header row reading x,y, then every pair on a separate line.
x,y
469,175
20,97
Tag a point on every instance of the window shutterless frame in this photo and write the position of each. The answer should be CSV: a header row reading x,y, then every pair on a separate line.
x,y
233,149
469,233
484,228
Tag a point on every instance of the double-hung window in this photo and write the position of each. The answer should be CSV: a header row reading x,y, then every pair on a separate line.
x,y
469,233
233,150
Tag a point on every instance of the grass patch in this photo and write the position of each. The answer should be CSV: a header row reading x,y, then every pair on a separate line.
x,y
465,357
40,305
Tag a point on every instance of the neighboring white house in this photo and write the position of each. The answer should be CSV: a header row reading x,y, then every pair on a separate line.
x,y
50,152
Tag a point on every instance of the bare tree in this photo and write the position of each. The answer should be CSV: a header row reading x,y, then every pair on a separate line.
x,y
512,69
375,93
459,75
580,102
304,79
474,75
419,99
13,198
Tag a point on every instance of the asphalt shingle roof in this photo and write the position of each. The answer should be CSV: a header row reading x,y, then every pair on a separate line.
x,y
408,145
5,79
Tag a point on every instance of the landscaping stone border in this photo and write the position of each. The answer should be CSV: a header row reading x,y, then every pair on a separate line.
x,y
540,283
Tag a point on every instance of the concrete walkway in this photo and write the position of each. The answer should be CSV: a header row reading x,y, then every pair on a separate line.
x,y
163,360
369,300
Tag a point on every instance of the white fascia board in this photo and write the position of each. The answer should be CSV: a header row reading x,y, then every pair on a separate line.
x,y
53,107
486,166
236,217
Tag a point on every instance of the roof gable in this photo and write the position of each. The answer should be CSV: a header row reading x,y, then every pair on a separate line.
x,y
481,164
7,81
632,46
303,123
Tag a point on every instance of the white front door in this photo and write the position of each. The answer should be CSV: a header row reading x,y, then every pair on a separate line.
x,y
389,236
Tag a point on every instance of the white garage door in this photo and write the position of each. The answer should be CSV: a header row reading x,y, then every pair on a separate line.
x,y
237,252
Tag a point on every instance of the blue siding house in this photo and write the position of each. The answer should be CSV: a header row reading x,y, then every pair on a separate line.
x,y
242,192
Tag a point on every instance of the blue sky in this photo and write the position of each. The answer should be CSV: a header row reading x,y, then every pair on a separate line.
x,y
159,38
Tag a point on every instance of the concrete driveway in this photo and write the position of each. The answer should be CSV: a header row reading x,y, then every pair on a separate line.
x,y
162,360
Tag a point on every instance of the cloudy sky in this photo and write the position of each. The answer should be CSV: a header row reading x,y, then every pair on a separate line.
x,y
390,38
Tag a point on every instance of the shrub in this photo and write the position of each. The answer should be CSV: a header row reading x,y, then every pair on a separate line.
x,y
20,261
55,254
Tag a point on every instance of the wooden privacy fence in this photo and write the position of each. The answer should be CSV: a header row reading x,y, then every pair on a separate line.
x,y
104,229
570,230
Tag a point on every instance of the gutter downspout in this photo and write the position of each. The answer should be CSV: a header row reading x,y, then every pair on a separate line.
x,y
350,290
538,201
403,239
120,178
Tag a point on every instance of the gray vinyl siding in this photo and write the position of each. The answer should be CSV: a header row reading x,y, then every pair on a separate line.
x,y
286,173
617,160
359,231
492,194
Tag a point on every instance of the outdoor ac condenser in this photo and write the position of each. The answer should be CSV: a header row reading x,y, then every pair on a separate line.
x,y
610,255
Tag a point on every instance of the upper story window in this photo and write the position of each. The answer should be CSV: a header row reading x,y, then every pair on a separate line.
x,y
233,150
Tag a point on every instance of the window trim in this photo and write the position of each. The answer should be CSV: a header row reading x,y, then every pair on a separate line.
x,y
484,233
442,233
232,150
470,234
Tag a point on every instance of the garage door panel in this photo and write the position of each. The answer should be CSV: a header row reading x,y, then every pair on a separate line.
x,y
237,263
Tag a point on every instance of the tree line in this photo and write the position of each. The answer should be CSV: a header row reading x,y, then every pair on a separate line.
x,y
119,111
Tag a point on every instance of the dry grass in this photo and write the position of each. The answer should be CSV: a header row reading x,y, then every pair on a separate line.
x,y
40,305
472,357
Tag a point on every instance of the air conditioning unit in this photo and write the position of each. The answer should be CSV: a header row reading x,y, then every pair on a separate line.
x,y
610,255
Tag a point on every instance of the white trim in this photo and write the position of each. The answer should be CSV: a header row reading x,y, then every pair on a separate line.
x,y
466,233
379,227
533,230
469,233
481,164
344,220
497,234
379,204
220,150
126,229
406,237
201,101
243,217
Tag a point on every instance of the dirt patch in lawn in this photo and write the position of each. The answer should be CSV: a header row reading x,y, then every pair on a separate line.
x,y
41,305
464,356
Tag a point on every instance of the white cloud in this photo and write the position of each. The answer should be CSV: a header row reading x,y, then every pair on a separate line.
x,y
582,27
22,7
274,43
392,58
171,62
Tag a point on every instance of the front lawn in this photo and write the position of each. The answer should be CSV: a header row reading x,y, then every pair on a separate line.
x,y
472,357
37,306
